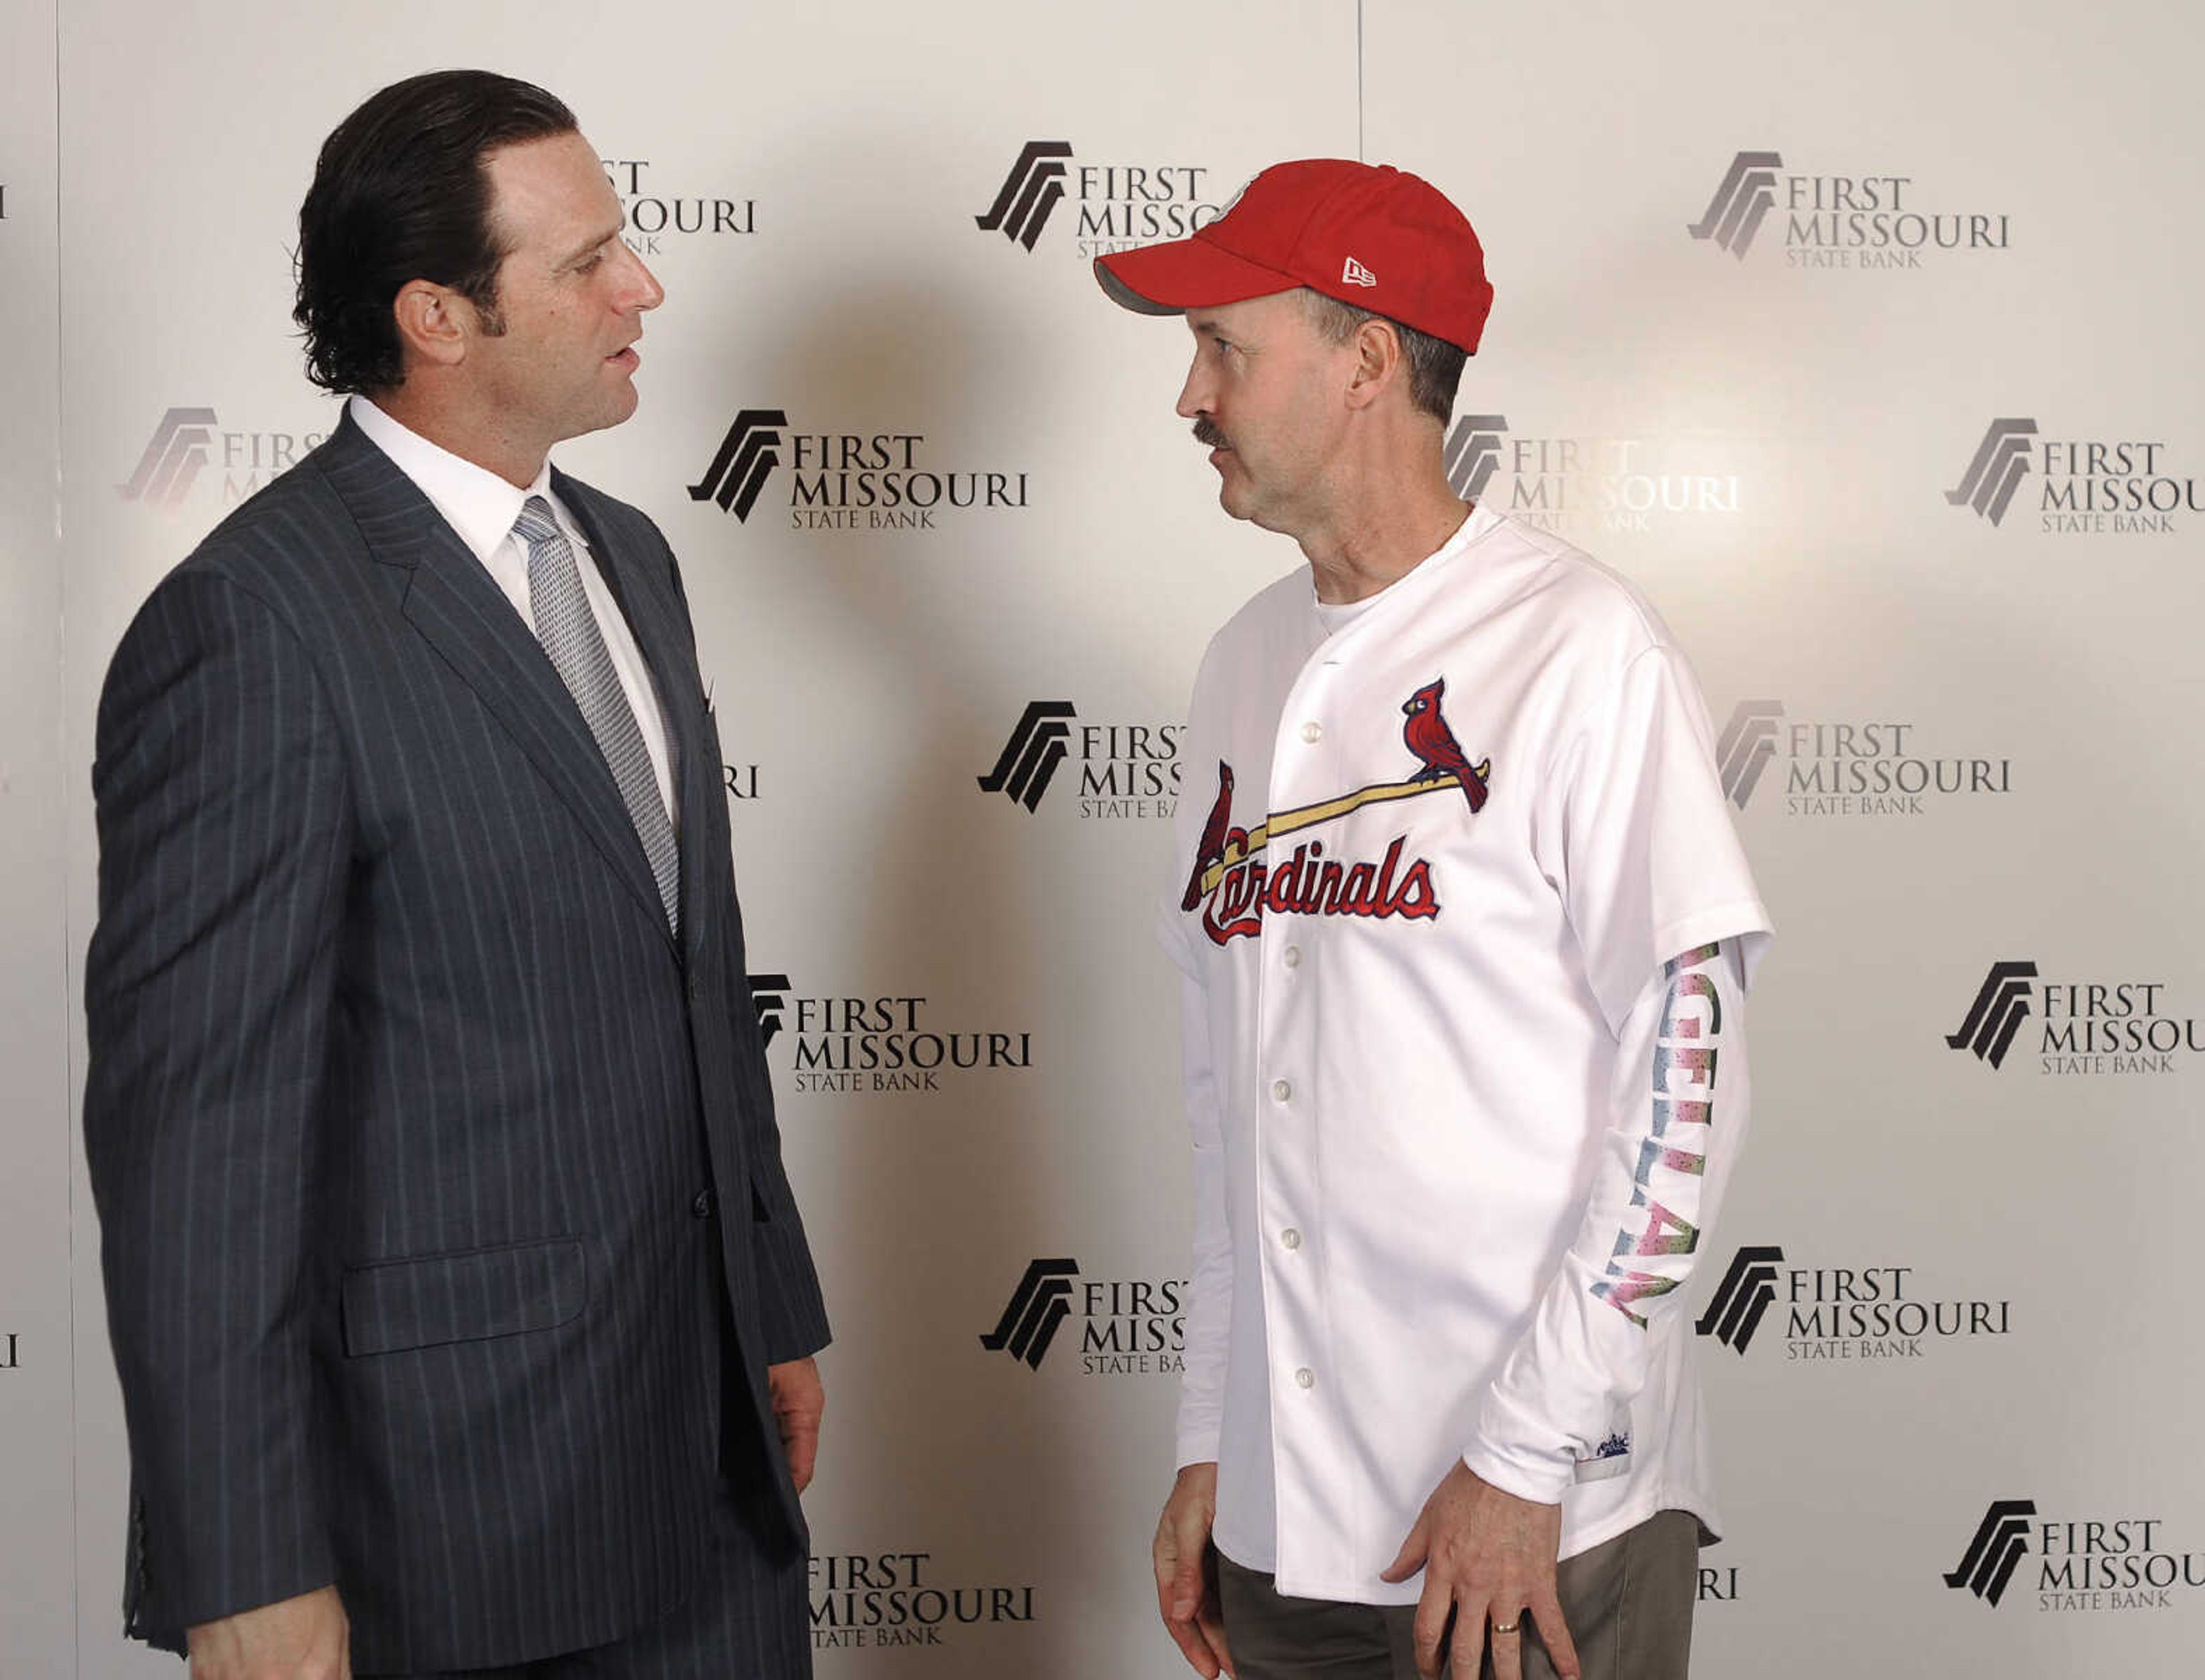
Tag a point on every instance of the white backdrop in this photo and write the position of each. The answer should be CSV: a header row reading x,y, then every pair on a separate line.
x,y
1756,425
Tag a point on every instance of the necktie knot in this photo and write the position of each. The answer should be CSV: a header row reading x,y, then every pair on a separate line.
x,y
536,525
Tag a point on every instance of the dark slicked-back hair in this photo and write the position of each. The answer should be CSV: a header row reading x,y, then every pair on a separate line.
x,y
401,193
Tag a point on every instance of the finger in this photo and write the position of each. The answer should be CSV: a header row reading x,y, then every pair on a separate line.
x,y
1211,1625
1507,1647
1546,1610
1430,1625
1193,1645
1410,1558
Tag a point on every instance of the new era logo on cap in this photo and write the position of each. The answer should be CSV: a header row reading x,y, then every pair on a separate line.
x,y
1352,273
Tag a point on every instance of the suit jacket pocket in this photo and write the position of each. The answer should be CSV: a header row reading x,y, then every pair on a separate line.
x,y
430,1299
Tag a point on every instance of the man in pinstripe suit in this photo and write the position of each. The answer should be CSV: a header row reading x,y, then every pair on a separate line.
x,y
463,1313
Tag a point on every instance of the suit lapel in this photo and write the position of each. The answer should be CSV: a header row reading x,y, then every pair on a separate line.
x,y
453,602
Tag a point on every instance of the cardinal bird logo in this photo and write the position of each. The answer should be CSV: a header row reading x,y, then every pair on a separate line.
x,y
1429,737
1212,849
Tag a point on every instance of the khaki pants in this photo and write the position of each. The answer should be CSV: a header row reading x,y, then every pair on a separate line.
x,y
1628,1604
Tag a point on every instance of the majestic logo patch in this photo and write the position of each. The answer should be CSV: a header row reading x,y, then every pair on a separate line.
x,y
1234,886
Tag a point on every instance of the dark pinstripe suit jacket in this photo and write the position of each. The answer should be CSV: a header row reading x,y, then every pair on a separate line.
x,y
419,1146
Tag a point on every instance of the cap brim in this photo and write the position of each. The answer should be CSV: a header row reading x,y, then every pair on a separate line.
x,y
1185,273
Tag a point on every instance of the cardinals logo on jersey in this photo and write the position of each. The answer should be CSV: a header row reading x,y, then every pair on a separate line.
x,y
1429,737
1234,886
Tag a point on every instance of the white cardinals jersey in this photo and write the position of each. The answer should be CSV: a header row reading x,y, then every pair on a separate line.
x,y
1463,1065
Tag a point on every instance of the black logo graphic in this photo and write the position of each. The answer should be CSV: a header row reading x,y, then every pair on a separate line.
x,y
1748,193
1038,1305
768,994
747,454
1997,1013
1744,1295
1998,1547
1034,187
1748,742
1031,757
172,461
1473,451
2001,463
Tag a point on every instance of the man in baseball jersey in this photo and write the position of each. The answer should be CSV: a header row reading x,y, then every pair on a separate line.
x,y
1465,933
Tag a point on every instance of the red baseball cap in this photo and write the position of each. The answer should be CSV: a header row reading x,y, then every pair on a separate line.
x,y
1366,233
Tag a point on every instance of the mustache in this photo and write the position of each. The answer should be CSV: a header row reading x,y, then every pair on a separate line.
x,y
1205,432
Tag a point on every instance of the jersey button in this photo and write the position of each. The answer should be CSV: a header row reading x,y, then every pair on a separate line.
x,y
1291,1237
1280,1089
1305,1377
1291,956
1312,733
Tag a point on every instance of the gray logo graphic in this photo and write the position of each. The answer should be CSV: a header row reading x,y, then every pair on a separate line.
x,y
1746,1291
1999,1542
1034,187
1032,755
1748,742
747,454
1038,1305
1748,193
768,992
2002,462
171,463
1997,1013
1473,451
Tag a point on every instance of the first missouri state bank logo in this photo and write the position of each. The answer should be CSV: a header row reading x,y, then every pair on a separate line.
x,y
1874,766
846,480
1577,484
1234,886
2105,485
1851,220
1125,769
1844,1314
186,443
1128,1327
1115,207
2119,1562
2113,1026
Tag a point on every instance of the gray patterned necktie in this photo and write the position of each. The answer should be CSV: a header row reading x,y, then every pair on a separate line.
x,y
569,630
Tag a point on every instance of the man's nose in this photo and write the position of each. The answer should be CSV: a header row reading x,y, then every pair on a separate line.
x,y
1194,394
648,293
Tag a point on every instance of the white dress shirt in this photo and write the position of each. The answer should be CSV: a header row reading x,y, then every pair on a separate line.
x,y
482,509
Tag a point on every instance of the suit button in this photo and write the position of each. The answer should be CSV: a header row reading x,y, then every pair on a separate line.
x,y
702,1207
696,987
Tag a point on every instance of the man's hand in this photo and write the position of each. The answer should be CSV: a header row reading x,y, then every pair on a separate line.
x,y
1487,1556
1186,1571
304,1638
798,1400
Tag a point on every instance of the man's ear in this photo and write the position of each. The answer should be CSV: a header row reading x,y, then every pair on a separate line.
x,y
434,322
1378,362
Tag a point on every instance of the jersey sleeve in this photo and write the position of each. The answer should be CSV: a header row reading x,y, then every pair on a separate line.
x,y
1678,1109
1636,835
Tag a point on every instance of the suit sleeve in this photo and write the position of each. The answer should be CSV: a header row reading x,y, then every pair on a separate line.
x,y
223,815
792,1310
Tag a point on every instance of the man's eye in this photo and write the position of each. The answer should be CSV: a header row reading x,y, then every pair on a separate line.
x,y
589,262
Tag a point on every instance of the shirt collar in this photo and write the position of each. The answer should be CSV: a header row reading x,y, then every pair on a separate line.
x,y
478,504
